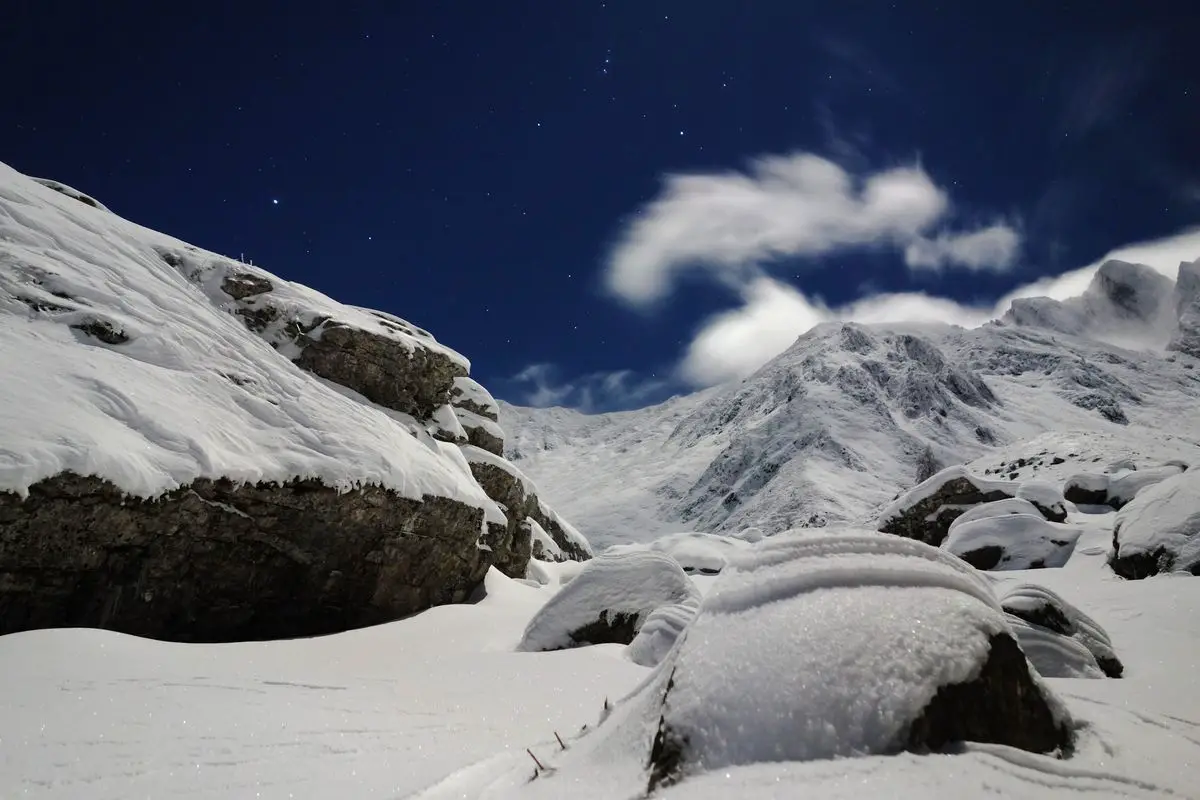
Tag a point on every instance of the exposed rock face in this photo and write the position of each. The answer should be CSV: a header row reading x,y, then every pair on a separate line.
x,y
505,484
416,381
1002,705
218,562
1187,306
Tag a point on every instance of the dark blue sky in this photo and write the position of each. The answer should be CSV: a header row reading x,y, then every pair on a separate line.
x,y
468,166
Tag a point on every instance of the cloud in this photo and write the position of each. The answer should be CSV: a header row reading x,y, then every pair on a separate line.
x,y
540,386
733,344
992,248
1162,255
729,224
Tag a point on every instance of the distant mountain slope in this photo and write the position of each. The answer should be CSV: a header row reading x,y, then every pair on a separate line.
x,y
836,425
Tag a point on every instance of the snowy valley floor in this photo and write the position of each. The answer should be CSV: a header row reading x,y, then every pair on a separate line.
x,y
440,705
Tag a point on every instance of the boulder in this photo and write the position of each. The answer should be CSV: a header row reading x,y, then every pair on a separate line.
x,y
608,601
1050,615
1052,654
925,660
1119,484
697,553
215,561
1159,530
1012,541
926,511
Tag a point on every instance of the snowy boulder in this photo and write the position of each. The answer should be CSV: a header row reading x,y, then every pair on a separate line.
x,y
1049,619
479,415
1046,498
660,631
1012,541
996,508
1087,489
702,553
608,601
817,646
1119,484
1159,531
926,511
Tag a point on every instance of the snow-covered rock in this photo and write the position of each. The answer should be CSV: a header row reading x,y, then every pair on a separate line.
x,y
281,438
996,508
1119,484
1052,654
1046,498
704,553
1159,530
1048,613
1012,541
926,511
608,601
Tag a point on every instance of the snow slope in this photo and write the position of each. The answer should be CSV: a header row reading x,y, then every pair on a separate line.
x,y
125,363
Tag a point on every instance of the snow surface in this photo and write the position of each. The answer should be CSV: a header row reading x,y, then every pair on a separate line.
x,y
192,393
1166,516
440,705
632,583
1026,540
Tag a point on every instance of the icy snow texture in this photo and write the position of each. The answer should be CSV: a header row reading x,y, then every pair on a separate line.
x,y
192,392
632,584
822,646
1164,518
998,508
660,631
695,552
1026,541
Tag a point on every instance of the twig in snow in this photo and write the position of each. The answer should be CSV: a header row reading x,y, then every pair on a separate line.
x,y
535,760
560,741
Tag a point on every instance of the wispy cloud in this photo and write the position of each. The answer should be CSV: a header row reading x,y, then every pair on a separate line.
x,y
729,225
992,248
541,386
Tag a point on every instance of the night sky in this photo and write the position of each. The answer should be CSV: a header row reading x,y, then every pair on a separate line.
x,y
475,167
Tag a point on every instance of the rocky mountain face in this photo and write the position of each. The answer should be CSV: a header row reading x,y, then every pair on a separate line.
x,y
850,415
193,449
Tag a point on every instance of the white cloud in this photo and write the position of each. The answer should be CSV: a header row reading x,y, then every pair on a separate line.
x,y
597,391
1163,255
992,248
728,224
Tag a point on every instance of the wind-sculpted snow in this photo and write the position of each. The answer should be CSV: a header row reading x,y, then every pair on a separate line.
x,y
705,553
1047,611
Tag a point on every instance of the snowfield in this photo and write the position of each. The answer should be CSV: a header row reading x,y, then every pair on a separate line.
x,y
441,705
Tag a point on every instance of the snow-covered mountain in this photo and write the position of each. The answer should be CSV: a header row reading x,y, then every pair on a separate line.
x,y
837,424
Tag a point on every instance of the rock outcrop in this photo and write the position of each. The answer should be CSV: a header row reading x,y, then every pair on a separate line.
x,y
214,562
196,449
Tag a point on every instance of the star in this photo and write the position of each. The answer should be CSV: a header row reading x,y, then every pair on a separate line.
x,y
275,201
